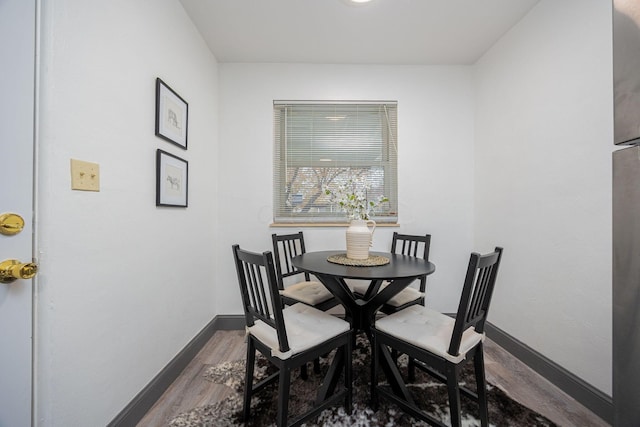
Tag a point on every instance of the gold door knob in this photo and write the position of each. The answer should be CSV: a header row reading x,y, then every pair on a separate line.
x,y
12,269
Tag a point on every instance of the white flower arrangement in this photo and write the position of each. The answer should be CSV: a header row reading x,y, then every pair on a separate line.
x,y
352,199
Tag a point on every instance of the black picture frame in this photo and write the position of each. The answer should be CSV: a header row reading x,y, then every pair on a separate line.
x,y
172,180
172,115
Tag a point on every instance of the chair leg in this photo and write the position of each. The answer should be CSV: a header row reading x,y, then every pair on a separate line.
x,y
304,373
283,396
348,377
374,372
248,380
411,370
481,385
454,394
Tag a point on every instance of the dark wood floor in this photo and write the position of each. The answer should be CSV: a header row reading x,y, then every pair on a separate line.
x,y
521,383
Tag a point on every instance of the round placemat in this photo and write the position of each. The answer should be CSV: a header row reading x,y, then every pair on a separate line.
x,y
372,261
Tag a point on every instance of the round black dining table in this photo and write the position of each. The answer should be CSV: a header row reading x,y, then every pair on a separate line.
x,y
400,272
360,312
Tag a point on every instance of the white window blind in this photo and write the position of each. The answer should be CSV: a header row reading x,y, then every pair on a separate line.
x,y
325,144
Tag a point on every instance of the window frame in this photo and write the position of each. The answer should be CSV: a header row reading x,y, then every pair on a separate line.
x,y
388,162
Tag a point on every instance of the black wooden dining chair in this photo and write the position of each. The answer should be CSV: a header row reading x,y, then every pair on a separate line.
x,y
295,285
405,244
439,344
287,337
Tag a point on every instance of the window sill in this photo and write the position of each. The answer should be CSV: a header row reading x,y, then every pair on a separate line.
x,y
324,224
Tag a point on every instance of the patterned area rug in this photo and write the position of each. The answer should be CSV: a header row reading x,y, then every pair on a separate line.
x,y
503,411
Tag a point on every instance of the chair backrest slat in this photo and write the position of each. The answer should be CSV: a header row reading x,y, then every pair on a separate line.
x,y
476,296
479,292
256,296
258,284
260,294
289,249
285,247
415,246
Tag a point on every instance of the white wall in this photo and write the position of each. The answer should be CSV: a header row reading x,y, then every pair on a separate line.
x,y
435,139
124,285
543,147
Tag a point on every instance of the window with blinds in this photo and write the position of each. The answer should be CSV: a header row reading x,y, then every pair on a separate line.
x,y
320,145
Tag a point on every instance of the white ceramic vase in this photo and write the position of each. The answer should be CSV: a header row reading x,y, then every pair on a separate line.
x,y
360,238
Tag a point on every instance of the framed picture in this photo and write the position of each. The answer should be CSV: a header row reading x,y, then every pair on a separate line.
x,y
172,180
172,115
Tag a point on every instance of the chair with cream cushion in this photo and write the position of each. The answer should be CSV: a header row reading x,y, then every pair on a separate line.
x,y
410,245
439,344
288,337
295,285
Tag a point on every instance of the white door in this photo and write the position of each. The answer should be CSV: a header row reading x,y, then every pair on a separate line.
x,y
17,53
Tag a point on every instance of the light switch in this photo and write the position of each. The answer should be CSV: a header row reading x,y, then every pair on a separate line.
x,y
85,175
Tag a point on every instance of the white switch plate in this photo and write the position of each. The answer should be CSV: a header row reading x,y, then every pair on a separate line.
x,y
85,175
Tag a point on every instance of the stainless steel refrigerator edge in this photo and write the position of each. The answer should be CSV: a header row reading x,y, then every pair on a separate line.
x,y
626,214
626,286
